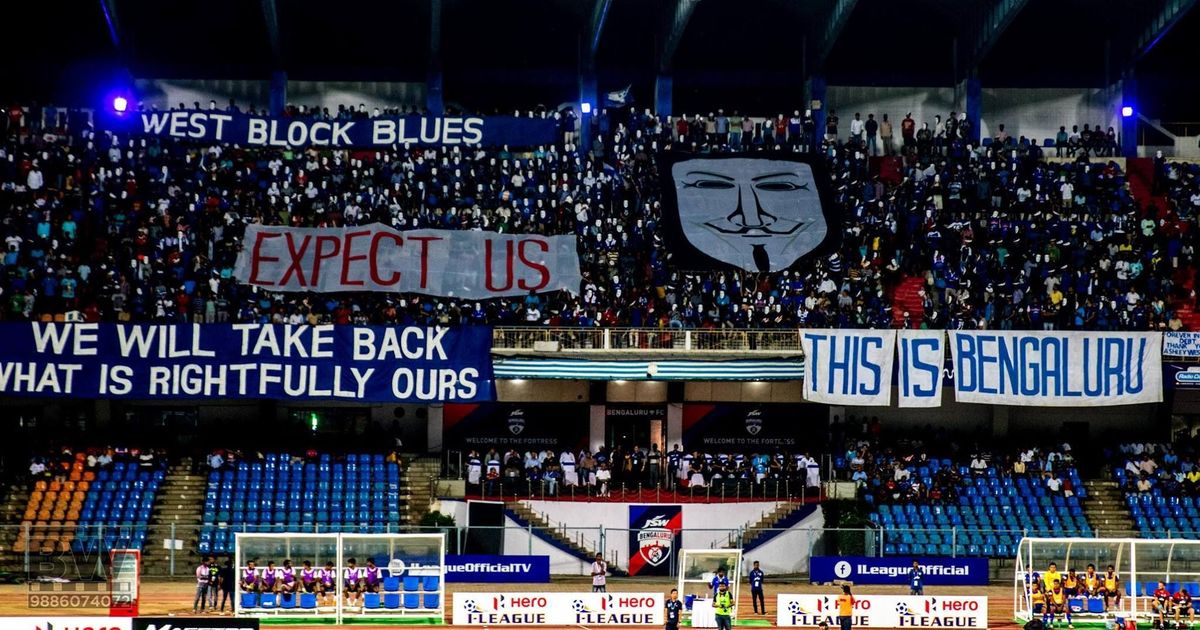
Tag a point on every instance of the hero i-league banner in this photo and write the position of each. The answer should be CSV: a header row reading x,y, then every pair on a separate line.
x,y
1041,368
654,533
450,263
228,361
213,126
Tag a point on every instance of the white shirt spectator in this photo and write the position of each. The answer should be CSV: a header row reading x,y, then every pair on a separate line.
x,y
1054,484
215,461
37,468
35,180
978,464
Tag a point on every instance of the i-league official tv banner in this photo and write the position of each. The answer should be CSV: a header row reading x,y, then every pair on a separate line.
x,y
864,570
229,361
497,569
451,263
654,533
1057,369
214,126
884,611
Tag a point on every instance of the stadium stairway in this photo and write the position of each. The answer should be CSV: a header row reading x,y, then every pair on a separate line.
x,y
1141,182
1106,510
417,482
180,503
520,512
11,511
906,297
771,524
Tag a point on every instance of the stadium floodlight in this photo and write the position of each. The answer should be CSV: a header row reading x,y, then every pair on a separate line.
x,y
1127,111
120,104
585,107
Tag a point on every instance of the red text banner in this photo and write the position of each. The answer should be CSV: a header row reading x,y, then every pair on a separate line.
x,y
449,263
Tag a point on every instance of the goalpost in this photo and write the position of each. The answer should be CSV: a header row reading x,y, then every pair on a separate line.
x,y
410,585
1139,564
697,568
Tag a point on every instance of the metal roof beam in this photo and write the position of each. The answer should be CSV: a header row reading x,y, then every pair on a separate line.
x,y
271,19
1166,17
109,9
838,16
680,16
596,26
993,21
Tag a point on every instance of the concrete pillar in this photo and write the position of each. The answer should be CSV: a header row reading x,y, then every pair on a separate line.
x,y
278,92
1000,420
663,92
974,106
435,102
588,93
815,90
596,427
674,425
1129,141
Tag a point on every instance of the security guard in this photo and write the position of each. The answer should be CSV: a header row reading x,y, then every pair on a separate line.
x,y
723,607
756,589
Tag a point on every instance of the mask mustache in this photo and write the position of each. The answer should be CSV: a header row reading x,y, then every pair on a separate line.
x,y
754,231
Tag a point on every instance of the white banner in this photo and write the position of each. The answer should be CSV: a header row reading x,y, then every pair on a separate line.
x,y
922,357
66,623
1181,344
848,367
515,608
452,263
884,611
1057,369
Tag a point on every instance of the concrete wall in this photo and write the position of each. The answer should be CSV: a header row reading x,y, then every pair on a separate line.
x,y
705,526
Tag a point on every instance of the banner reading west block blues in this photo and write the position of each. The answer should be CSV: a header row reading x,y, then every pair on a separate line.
x,y
921,355
654,532
214,126
848,367
1057,369
229,361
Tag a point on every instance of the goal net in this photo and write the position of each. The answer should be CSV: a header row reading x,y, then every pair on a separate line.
x,y
1126,574
343,578
697,570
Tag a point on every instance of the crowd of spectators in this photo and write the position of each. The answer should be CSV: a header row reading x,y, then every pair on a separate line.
x,y
931,467
105,228
58,464
607,470
1153,467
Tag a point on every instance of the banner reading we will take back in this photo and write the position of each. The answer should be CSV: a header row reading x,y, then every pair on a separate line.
x,y
450,263
232,361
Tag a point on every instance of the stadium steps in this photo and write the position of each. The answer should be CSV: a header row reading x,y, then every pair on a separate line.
x,y
180,503
1106,511
771,524
11,511
520,512
417,483
906,297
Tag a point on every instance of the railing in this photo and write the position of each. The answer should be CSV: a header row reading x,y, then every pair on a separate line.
x,y
715,492
679,340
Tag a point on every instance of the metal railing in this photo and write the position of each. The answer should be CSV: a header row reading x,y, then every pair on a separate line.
x,y
677,340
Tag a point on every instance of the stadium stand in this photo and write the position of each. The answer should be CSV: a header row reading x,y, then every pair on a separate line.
x,y
281,493
948,235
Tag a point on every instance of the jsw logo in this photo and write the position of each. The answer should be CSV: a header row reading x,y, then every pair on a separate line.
x,y
656,521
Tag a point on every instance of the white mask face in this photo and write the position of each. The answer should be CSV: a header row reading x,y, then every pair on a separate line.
x,y
754,214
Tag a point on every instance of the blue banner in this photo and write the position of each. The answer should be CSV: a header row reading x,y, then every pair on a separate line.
x,y
229,361
213,126
862,570
497,569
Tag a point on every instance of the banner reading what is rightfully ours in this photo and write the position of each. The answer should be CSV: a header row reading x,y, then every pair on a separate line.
x,y
450,263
